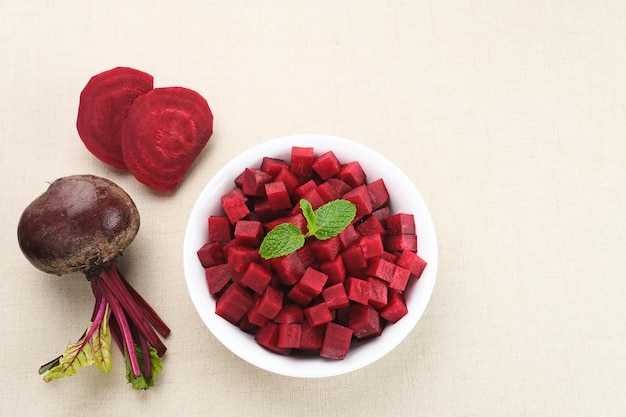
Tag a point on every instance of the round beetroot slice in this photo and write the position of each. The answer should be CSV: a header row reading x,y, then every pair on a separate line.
x,y
165,131
104,105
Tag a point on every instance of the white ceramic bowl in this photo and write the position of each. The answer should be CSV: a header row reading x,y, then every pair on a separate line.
x,y
404,197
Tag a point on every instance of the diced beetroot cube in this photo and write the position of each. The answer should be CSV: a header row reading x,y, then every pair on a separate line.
x,y
370,226
327,165
328,192
311,337
401,224
361,199
218,277
267,336
313,281
290,313
391,257
248,233
234,205
400,278
254,181
348,237
352,174
233,303
302,190
401,242
254,315
342,316
296,219
272,166
378,293
299,220
372,246
341,186
325,250
298,296
302,159
318,314
220,229
358,290
239,256
277,195
239,179
378,193
264,211
353,259
380,268
335,296
211,254
227,246
382,214
289,268
289,335
312,196
275,282
411,261
336,342
270,303
289,179
364,321
396,307
246,326
335,269
306,255
256,278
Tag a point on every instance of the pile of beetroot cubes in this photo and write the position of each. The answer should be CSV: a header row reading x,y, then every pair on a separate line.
x,y
328,294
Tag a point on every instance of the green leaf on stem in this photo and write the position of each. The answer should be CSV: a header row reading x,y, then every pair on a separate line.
x,y
93,349
143,382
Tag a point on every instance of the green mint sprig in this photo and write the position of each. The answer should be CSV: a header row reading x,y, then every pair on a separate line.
x,y
327,221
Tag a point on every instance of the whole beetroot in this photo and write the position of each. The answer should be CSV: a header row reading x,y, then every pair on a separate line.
x,y
81,223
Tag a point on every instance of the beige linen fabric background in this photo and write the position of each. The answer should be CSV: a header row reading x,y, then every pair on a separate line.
x,y
509,117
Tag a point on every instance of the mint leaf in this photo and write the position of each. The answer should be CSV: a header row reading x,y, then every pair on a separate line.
x,y
281,240
309,215
332,218
327,221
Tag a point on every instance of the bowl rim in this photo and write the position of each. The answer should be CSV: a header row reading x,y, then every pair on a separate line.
x,y
361,354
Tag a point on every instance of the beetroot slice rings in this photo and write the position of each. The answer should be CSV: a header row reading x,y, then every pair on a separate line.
x,y
156,138
104,104
165,131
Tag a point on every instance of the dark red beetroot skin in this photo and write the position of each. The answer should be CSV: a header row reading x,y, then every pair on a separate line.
x,y
165,131
92,211
103,107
